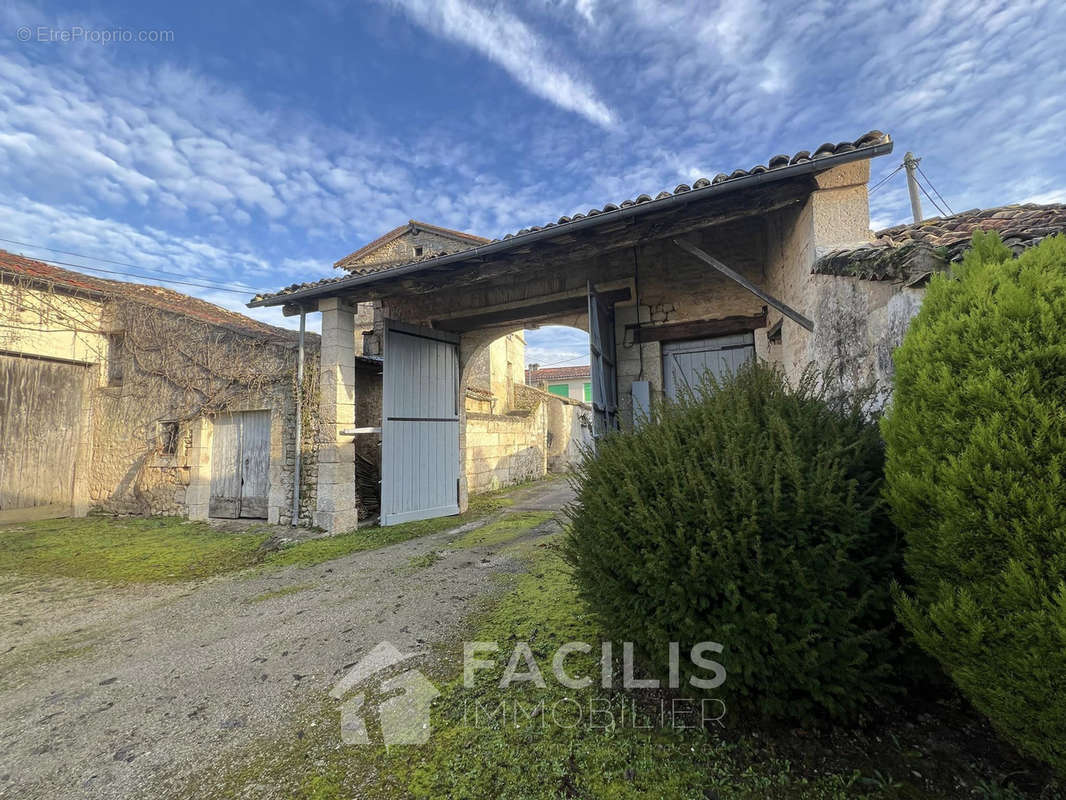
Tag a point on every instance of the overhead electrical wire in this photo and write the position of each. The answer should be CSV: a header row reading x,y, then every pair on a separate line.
x,y
156,277
942,200
931,200
884,180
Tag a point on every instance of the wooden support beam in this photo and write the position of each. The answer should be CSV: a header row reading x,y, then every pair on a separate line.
x,y
697,329
785,309
602,240
534,310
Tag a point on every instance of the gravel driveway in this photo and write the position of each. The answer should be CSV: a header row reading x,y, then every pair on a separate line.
x,y
154,680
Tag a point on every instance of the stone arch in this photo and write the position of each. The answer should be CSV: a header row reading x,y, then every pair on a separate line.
x,y
474,344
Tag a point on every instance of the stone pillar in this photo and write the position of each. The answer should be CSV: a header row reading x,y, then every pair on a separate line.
x,y
198,492
336,509
836,215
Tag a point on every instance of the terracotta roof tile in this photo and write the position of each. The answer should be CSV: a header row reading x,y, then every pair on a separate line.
x,y
156,296
904,251
777,162
557,373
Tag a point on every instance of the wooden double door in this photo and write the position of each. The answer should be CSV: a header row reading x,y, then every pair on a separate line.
x,y
240,465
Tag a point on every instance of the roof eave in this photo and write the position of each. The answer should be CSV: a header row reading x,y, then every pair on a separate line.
x,y
813,166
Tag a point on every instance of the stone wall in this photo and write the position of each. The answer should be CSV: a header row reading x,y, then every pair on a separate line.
x,y
183,371
544,434
504,449
569,432
151,369
858,325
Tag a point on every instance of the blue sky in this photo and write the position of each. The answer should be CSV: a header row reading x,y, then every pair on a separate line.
x,y
263,142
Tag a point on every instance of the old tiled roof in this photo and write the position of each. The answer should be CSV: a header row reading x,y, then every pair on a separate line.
x,y
908,251
557,374
349,261
777,162
874,143
156,296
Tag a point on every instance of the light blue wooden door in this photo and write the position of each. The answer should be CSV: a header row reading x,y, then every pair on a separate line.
x,y
420,424
684,363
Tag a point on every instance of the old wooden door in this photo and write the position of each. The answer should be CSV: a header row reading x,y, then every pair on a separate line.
x,y
420,424
41,412
240,465
602,360
685,363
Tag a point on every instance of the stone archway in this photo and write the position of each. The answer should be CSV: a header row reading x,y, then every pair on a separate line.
x,y
473,345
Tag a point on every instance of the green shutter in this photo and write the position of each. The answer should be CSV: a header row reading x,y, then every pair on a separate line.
x,y
588,392
559,389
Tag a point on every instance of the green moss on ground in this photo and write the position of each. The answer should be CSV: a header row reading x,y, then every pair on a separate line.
x,y
166,549
125,550
503,530
537,759
283,592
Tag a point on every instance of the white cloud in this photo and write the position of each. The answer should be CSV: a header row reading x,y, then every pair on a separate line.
x,y
515,47
164,164
557,345
93,244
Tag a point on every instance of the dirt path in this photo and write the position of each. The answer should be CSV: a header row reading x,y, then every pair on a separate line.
x,y
161,680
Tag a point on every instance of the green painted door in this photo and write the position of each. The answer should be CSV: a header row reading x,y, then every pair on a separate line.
x,y
559,389
588,392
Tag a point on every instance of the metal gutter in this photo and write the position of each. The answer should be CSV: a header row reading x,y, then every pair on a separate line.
x,y
493,248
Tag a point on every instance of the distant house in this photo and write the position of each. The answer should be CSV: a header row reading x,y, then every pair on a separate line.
x,y
574,383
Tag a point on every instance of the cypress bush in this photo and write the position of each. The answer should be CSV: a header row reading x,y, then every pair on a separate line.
x,y
748,515
976,443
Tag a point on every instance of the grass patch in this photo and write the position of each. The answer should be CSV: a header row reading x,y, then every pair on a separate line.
x,y
925,755
166,549
287,590
424,561
315,551
503,530
126,550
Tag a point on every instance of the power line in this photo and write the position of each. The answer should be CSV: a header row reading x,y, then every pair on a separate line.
x,y
159,278
159,272
884,180
945,202
929,197
564,361
94,258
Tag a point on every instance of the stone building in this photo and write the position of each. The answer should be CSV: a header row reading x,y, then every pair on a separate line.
x,y
865,296
513,434
137,399
700,277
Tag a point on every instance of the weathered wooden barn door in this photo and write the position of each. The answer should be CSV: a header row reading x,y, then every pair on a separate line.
x,y
240,465
685,363
41,412
420,424
604,373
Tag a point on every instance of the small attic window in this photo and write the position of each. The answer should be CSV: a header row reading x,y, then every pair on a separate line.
x,y
418,252
168,437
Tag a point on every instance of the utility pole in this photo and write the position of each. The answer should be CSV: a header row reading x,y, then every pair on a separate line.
x,y
910,162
